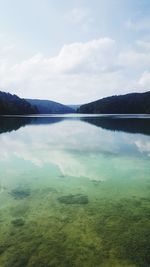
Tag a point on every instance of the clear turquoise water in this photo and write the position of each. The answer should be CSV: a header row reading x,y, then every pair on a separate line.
x,y
74,191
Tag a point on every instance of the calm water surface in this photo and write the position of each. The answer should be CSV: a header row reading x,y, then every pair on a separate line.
x,y
75,191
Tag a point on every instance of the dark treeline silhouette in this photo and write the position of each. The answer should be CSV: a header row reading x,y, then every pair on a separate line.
x,y
13,105
136,103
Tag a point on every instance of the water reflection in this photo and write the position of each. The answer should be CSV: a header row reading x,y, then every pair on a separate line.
x,y
70,187
74,146
8,124
115,123
128,125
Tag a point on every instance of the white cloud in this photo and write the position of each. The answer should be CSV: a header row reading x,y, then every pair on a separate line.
x,y
135,59
79,73
63,75
93,56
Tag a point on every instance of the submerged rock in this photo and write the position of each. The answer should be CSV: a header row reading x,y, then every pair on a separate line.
x,y
20,193
18,222
74,199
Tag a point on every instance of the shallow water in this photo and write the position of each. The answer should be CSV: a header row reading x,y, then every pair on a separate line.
x,y
75,191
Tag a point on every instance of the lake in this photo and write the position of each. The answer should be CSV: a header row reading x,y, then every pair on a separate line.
x,y
75,191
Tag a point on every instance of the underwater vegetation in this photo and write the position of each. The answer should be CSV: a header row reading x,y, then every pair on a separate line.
x,y
74,199
124,228
18,222
20,193
21,210
104,233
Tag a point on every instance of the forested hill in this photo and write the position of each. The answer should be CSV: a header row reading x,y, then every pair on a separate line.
x,y
49,107
13,105
135,103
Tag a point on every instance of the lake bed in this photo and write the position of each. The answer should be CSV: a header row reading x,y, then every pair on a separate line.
x,y
75,191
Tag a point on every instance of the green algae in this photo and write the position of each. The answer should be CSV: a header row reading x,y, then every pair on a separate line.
x,y
125,231
18,222
107,232
74,199
20,193
19,210
104,233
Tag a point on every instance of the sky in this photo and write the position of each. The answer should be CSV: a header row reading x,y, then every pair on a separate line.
x,y
74,52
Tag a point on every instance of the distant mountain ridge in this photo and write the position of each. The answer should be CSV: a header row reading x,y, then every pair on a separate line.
x,y
74,107
50,107
14,105
133,103
11,104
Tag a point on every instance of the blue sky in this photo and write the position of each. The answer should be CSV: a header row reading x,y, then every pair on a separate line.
x,y
74,51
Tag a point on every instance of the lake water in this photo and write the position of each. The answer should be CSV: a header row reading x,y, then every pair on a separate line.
x,y
75,191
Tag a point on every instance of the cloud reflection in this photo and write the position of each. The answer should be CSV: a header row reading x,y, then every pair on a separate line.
x,y
77,148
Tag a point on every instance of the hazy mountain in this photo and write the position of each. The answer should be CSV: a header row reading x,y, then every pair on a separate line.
x,y
49,107
134,103
14,105
74,107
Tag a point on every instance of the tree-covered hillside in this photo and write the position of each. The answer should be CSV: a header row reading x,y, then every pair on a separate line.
x,y
135,103
50,107
13,105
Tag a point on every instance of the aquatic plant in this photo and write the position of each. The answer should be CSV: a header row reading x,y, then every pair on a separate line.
x,y
18,222
74,199
20,193
104,233
125,231
21,209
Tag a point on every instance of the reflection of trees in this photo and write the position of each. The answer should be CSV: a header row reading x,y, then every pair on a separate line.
x,y
8,124
129,125
46,120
